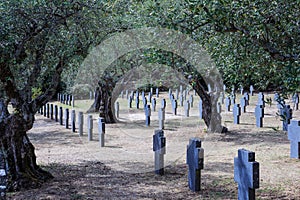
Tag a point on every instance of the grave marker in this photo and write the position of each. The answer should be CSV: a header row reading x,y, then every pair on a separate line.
x,y
149,97
101,130
56,113
259,114
296,101
80,123
137,100
200,106
129,102
261,99
286,113
157,92
163,103
174,106
294,137
60,115
251,90
195,161
67,118
161,118
90,127
73,120
246,174
247,97
243,103
227,104
181,100
219,107
187,108
159,148
154,104
45,110
48,110
147,114
191,101
51,111
236,113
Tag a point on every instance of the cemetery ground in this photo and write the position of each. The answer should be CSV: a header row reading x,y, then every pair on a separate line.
x,y
123,169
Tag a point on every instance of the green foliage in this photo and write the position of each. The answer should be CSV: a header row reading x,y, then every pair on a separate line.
x,y
36,92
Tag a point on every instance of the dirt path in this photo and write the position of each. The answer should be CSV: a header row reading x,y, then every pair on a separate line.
x,y
123,169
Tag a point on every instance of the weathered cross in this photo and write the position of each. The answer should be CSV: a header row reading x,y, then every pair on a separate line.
x,y
195,160
246,174
159,148
294,137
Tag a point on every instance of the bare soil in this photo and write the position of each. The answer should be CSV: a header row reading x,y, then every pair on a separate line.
x,y
123,169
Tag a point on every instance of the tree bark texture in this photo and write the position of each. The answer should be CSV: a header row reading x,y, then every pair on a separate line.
x,y
21,167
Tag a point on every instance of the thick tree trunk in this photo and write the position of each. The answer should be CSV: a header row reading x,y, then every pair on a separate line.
x,y
21,167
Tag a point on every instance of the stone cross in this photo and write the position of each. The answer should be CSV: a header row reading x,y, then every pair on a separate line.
x,y
117,109
45,110
67,118
246,174
73,120
181,100
241,90
129,102
143,95
261,100
195,162
243,104
191,100
73,101
159,148
90,127
56,113
251,90
80,123
247,97
101,130
149,97
296,101
174,106
236,113
163,103
286,113
200,106
187,108
60,115
227,104
147,114
170,92
161,118
3,176
294,137
137,100
48,110
51,111
232,99
154,104
259,114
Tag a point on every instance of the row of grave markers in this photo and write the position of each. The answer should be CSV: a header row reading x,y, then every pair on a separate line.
x,y
53,112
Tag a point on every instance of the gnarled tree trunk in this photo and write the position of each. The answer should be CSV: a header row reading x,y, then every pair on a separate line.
x,y
21,167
